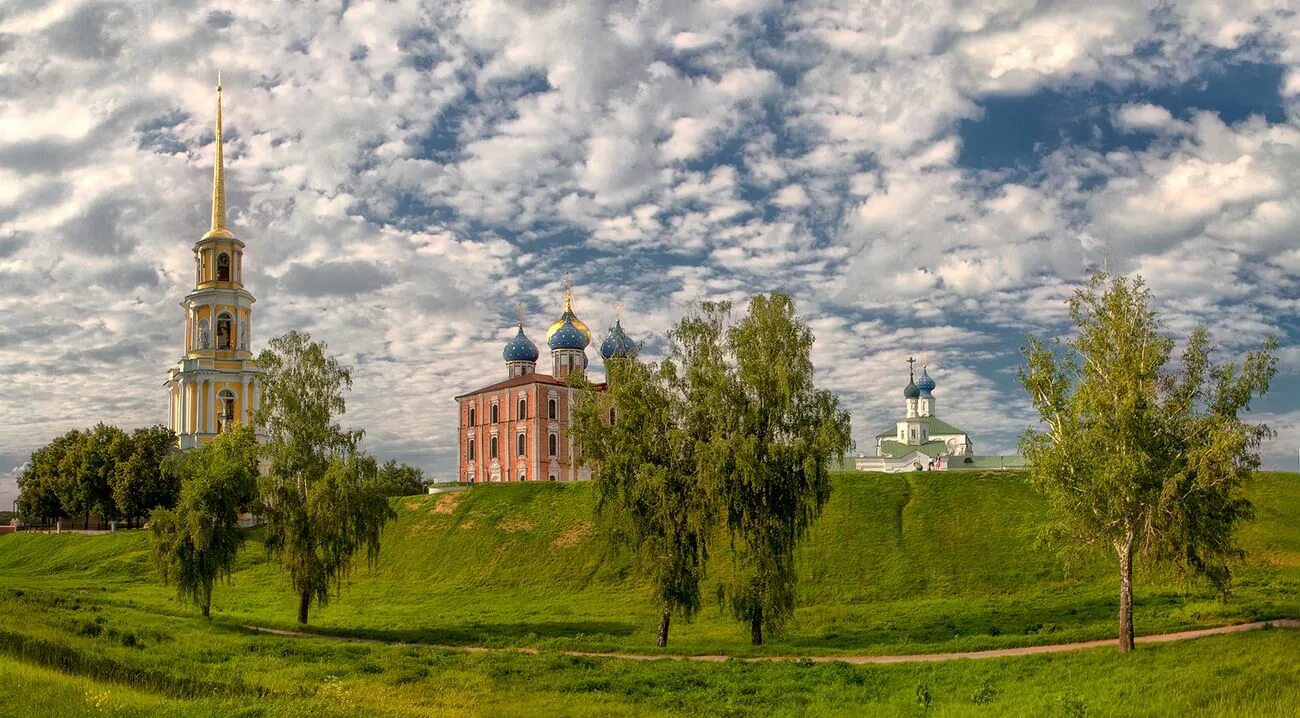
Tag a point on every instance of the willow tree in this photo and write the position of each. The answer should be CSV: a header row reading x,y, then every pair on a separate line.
x,y
1137,457
769,455
196,543
321,499
642,437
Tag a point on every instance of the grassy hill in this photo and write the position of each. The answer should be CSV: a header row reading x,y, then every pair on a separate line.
x,y
898,563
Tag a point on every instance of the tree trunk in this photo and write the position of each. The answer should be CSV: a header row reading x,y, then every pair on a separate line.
x,y
207,610
1126,595
756,627
663,628
304,603
85,524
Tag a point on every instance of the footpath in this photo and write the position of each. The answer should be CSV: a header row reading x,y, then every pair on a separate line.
x,y
855,660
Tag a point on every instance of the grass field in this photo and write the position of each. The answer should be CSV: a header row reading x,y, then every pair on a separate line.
x,y
898,564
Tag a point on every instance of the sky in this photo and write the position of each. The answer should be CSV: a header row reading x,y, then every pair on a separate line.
x,y
922,177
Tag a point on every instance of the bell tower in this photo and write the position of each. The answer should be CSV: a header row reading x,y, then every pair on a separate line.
x,y
215,385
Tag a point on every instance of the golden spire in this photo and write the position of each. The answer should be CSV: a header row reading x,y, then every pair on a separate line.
x,y
519,308
618,312
568,292
218,181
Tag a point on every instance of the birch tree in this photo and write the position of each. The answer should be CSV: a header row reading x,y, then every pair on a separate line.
x,y
1137,457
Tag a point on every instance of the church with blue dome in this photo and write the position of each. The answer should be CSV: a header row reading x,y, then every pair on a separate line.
x,y
920,439
516,429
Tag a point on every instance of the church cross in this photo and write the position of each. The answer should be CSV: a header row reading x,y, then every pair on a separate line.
x,y
910,362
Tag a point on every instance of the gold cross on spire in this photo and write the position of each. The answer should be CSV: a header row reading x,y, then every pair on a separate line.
x,y
618,312
924,362
519,308
568,291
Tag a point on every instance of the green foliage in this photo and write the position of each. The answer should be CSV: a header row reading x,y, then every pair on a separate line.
x,y
1136,458
138,480
770,451
197,542
86,469
646,475
398,479
923,697
102,470
40,483
322,501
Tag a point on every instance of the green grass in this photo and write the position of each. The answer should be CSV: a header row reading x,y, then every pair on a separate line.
x,y
898,564
184,666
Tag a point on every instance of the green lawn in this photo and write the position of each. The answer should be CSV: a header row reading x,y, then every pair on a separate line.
x,y
898,564
122,661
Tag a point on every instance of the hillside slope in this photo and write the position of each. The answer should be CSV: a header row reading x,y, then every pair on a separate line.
x,y
898,563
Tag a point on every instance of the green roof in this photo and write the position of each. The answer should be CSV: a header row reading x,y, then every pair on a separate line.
x,y
933,426
897,449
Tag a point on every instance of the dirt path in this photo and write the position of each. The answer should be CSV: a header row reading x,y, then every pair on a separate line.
x,y
857,660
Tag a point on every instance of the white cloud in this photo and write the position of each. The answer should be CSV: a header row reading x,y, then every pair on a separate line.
x,y
405,173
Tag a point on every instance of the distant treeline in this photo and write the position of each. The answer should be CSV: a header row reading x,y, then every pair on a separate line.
x,y
107,472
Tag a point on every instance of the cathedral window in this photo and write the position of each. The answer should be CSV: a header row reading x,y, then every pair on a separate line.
x,y
471,416
492,448
552,442
469,454
224,339
520,445
492,412
523,408
225,410
553,409
223,267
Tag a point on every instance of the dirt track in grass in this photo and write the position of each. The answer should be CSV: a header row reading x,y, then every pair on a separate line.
x,y
856,660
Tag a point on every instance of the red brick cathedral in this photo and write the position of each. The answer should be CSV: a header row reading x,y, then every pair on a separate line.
x,y
517,429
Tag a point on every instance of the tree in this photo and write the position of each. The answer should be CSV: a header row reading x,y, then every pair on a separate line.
x,y
322,501
1135,457
197,542
40,484
398,479
770,457
641,436
139,481
86,469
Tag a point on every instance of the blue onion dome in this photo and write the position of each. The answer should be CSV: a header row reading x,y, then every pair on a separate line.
x,y
911,392
618,345
521,348
926,384
567,336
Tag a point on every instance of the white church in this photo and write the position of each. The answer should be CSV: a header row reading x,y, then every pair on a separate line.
x,y
919,440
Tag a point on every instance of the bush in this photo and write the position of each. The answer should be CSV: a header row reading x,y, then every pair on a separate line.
x,y
986,693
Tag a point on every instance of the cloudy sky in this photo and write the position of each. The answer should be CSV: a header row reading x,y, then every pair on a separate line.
x,y
921,176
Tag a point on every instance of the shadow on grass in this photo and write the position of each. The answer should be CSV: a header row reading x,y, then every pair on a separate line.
x,y
478,634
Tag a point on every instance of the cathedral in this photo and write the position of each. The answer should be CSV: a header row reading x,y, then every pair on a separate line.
x,y
517,429
215,385
919,440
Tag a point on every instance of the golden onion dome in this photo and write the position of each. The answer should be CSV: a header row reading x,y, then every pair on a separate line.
x,y
568,316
